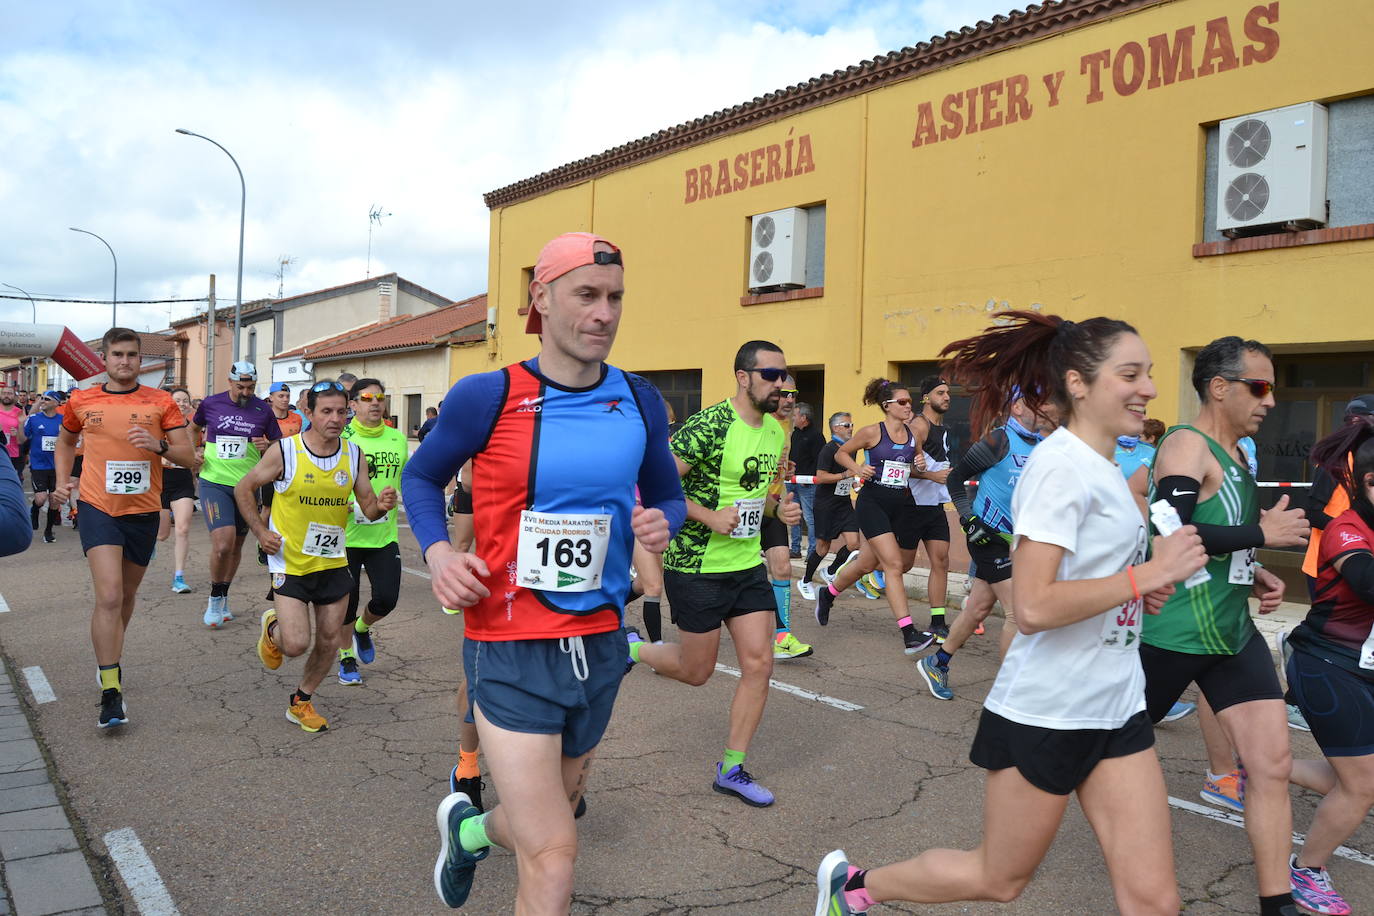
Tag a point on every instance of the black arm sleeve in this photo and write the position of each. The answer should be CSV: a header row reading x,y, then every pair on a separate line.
x,y
1181,493
983,454
1358,573
1323,488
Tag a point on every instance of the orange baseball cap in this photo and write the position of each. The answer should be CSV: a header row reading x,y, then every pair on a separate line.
x,y
565,253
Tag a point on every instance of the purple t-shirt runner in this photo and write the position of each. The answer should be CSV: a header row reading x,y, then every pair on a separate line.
x,y
229,434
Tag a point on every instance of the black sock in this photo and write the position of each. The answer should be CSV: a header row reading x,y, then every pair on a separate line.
x,y
300,695
909,630
1274,906
813,560
54,519
33,514
840,556
219,589
856,880
653,619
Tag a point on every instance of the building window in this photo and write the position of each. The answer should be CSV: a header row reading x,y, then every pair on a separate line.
x,y
414,414
681,390
956,419
253,343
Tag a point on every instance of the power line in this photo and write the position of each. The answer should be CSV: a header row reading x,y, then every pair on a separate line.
x,y
105,301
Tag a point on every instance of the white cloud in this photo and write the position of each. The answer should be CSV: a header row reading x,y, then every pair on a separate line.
x,y
331,108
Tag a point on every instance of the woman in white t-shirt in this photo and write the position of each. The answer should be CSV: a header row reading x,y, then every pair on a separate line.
x,y
1067,711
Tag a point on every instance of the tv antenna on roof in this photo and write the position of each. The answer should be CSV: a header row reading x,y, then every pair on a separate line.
x,y
374,218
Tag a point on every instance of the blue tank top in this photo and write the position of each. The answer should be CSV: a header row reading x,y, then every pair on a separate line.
x,y
995,485
887,450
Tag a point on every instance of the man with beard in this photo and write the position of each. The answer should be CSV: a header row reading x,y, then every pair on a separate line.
x,y
237,429
12,426
126,427
929,492
728,455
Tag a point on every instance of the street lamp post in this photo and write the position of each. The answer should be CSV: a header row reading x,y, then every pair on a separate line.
x,y
243,210
31,302
114,300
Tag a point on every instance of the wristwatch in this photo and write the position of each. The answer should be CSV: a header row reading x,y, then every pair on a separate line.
x,y
162,446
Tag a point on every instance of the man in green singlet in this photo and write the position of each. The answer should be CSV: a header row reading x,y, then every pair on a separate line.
x,y
1204,632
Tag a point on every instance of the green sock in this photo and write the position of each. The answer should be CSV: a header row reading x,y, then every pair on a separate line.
x,y
937,612
731,759
635,646
472,833
109,676
348,653
359,626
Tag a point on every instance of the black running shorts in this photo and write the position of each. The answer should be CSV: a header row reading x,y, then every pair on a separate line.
x,y
888,510
992,561
772,533
318,588
43,481
177,483
701,602
1054,760
1225,680
932,524
834,516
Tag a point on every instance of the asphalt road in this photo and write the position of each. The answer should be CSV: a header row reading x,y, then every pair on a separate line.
x,y
242,812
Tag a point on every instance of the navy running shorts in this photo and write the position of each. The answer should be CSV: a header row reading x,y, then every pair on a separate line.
x,y
532,685
1337,703
136,534
219,508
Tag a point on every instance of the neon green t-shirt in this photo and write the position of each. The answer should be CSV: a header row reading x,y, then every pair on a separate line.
x,y
732,463
385,449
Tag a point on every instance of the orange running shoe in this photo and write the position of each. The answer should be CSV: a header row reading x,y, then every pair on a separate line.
x,y
267,649
302,712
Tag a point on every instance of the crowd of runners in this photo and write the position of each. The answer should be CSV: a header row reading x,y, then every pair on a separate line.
x,y
1121,554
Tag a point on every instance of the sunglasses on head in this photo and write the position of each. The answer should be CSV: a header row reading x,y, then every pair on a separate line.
x,y
372,396
905,402
770,375
327,386
1259,387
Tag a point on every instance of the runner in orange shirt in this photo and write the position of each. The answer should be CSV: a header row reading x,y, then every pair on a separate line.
x,y
126,427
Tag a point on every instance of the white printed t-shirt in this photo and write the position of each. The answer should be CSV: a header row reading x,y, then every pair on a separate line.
x,y
1087,674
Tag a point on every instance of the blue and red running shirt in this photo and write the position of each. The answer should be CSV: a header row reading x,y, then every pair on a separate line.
x,y
540,446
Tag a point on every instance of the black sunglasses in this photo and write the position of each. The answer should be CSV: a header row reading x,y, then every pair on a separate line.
x,y
770,375
1259,387
328,386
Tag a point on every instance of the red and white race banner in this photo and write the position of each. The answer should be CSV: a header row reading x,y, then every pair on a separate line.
x,y
50,340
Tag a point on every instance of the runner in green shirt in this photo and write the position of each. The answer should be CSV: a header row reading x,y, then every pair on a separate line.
x,y
712,571
1203,633
371,545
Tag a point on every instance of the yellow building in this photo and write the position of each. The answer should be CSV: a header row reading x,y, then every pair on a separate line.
x,y
1066,159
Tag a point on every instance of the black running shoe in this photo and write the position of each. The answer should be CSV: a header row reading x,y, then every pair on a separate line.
x,y
940,630
112,711
262,557
581,807
917,640
48,538
470,786
824,601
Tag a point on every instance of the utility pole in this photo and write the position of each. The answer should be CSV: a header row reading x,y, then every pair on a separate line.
x,y
210,341
374,218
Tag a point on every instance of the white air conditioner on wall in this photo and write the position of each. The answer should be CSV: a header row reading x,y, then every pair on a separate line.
x,y
1271,168
777,250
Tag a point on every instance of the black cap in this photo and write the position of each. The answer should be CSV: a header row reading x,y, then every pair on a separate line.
x,y
1363,405
930,383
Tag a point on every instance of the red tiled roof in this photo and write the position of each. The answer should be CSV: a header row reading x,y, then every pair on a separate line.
x,y
403,332
1037,21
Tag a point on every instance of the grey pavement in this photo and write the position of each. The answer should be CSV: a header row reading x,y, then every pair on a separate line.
x,y
45,869
240,811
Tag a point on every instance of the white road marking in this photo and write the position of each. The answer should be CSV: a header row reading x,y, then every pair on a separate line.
x,y
416,572
38,685
798,691
4,607
1235,820
140,877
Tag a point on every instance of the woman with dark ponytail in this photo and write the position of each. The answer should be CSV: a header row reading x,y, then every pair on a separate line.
x,y
1331,669
885,508
1067,711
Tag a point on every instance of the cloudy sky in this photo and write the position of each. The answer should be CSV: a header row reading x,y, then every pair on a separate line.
x,y
332,108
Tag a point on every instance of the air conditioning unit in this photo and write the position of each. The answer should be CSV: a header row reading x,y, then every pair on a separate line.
x,y
777,250
1271,169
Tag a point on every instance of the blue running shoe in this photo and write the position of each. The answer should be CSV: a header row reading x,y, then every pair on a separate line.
x,y
1179,711
348,672
737,782
867,590
453,870
214,615
878,578
936,678
363,645
179,585
225,616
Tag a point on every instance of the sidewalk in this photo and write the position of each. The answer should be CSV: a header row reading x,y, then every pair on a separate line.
x,y
45,869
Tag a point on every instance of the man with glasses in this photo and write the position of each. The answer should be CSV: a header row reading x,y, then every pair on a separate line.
x,y
43,429
237,427
319,479
773,536
834,514
728,454
1204,632
372,543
